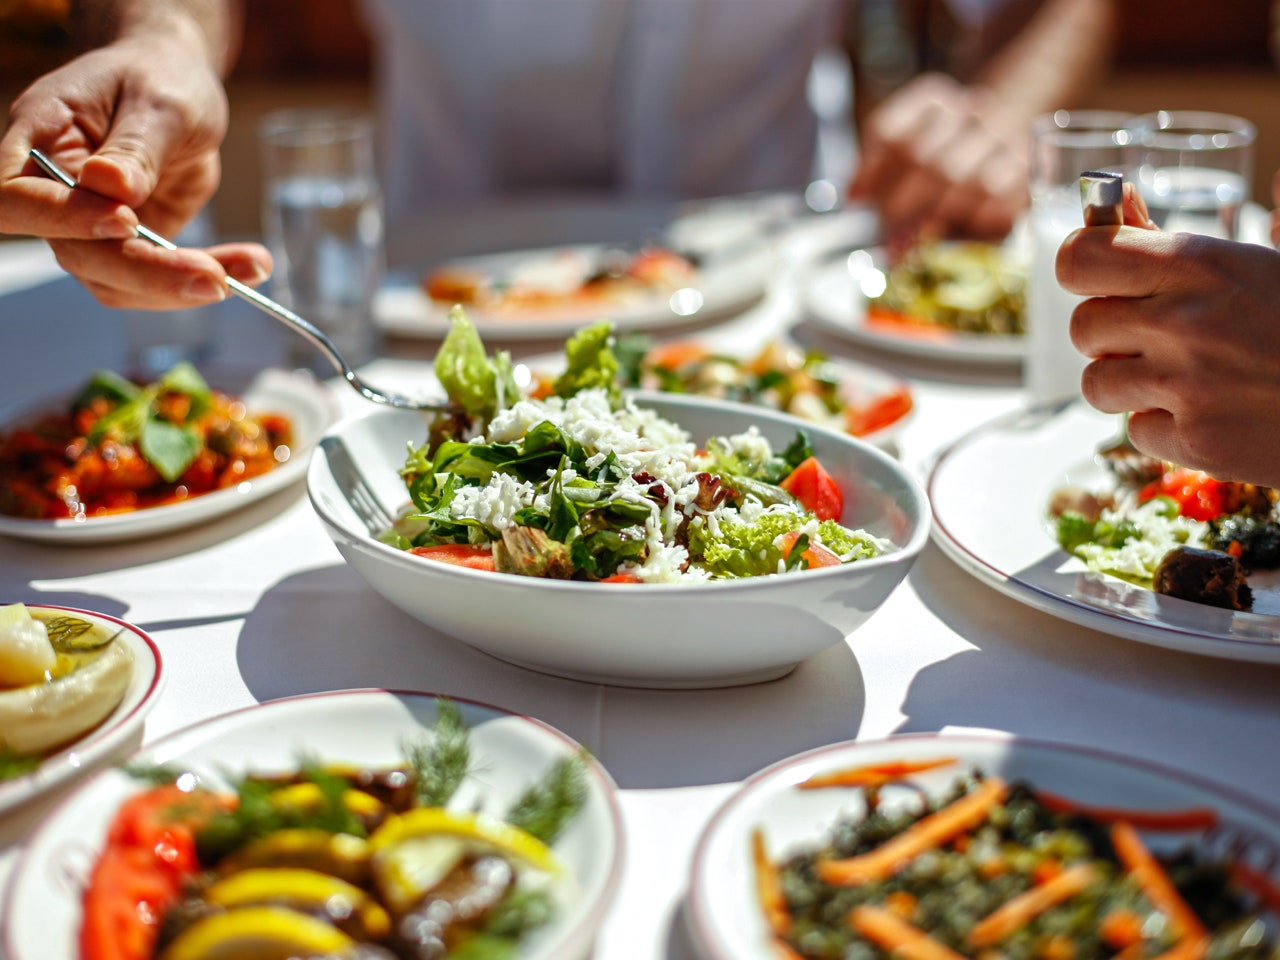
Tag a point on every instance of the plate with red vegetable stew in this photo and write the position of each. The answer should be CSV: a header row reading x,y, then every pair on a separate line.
x,y
119,460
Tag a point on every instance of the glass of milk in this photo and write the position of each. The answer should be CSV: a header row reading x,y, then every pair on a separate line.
x,y
322,220
1195,169
1064,145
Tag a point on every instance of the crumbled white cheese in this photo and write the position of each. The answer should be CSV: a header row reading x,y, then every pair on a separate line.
x,y
494,504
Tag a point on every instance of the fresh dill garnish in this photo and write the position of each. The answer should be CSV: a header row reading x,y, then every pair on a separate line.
x,y
442,762
259,811
547,806
520,911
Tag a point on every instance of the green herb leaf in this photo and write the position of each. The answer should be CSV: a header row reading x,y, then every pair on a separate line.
x,y
443,761
106,384
547,807
168,447
15,764
183,378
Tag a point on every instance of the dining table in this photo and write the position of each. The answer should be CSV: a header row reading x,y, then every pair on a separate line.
x,y
259,605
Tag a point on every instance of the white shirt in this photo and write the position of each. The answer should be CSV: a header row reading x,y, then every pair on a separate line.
x,y
640,98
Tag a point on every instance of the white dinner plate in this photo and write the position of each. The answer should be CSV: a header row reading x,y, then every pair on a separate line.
x,y
724,914
115,733
834,299
725,286
990,493
368,727
307,402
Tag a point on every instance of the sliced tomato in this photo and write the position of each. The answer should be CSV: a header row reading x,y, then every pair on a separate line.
x,y
1197,494
468,555
150,850
815,489
621,578
879,413
816,555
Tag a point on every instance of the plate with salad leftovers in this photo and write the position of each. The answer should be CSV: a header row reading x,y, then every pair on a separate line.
x,y
762,539
365,824
550,292
961,301
952,846
75,687
839,394
1053,507
118,460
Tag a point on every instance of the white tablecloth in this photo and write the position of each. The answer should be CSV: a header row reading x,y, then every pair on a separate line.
x,y
260,605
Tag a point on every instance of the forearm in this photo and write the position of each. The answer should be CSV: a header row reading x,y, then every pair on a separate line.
x,y
1056,61
208,26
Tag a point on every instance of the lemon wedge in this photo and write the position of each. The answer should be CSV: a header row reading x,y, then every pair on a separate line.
x,y
415,851
258,933
307,890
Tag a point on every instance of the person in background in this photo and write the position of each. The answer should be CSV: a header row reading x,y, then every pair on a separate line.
x,y
662,99
946,103
1184,333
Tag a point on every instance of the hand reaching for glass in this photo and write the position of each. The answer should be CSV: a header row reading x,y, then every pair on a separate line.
x,y
1184,331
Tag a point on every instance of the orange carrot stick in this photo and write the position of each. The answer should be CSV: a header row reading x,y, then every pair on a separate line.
x,y
874,775
925,834
1155,882
1022,909
898,937
784,951
1120,928
1192,818
769,887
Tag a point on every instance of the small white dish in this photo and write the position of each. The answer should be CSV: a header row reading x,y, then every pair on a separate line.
x,y
990,493
724,914
308,403
723,287
42,912
113,735
665,635
834,298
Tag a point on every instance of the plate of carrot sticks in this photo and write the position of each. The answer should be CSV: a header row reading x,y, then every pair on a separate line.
x,y
944,847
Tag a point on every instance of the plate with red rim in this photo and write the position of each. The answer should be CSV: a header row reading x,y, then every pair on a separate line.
x,y
723,912
836,294
308,403
716,289
369,727
116,734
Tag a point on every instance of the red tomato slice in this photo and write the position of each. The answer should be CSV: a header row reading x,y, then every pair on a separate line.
x,y
878,413
150,849
459,554
621,578
817,492
1197,494
816,555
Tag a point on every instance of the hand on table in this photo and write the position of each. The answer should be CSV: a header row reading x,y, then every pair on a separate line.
x,y
138,123
945,159
1184,330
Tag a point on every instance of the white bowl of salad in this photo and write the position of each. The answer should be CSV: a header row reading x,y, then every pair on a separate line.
x,y
647,539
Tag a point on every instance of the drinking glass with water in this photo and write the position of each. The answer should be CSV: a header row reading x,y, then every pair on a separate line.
x,y
1194,170
322,219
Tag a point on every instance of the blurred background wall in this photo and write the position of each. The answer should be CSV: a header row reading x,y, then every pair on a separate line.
x,y
1174,54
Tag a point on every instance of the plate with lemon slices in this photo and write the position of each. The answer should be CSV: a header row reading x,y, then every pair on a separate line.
x,y
363,823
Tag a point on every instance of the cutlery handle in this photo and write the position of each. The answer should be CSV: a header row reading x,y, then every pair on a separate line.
x,y
1102,197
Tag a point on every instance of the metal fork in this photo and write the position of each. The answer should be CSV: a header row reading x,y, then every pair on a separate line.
x,y
355,488
286,316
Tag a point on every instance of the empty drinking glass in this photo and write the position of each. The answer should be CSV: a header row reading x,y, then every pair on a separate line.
x,y
322,217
